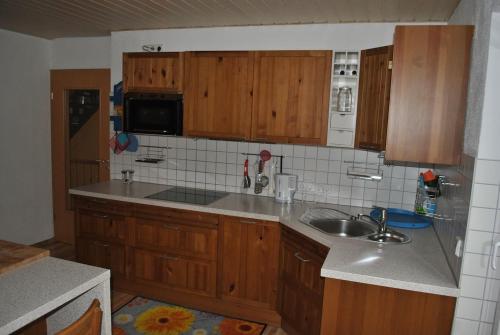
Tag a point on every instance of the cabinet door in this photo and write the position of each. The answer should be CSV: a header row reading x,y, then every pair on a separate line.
x,y
162,71
106,255
249,255
174,272
428,94
301,284
291,92
373,98
218,94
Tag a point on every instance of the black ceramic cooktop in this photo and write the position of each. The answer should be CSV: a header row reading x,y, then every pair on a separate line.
x,y
188,195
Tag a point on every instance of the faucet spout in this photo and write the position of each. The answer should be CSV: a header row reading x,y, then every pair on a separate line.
x,y
381,222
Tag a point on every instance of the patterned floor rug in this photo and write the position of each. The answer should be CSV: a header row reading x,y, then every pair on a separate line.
x,y
149,317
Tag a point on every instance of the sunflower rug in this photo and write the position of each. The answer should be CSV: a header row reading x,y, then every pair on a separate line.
x,y
149,317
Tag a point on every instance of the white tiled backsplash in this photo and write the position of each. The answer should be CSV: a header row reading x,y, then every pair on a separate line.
x,y
218,165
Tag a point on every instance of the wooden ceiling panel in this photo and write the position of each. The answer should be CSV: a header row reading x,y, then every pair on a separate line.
x,y
69,18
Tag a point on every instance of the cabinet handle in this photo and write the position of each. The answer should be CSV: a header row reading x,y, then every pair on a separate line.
x,y
170,258
248,221
104,245
169,226
101,216
300,258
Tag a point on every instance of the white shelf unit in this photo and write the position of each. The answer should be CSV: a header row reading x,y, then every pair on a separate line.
x,y
345,73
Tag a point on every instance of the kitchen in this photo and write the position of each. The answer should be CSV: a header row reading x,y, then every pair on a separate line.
x,y
315,165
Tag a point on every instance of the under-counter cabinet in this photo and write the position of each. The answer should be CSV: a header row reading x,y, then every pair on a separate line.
x,y
301,285
175,250
362,309
428,93
373,98
218,94
153,71
291,96
249,258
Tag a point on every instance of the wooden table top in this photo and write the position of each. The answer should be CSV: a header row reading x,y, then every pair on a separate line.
x,y
14,255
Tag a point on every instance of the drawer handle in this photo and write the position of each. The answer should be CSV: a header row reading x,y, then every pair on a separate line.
x,y
300,258
169,226
101,216
248,221
104,245
170,258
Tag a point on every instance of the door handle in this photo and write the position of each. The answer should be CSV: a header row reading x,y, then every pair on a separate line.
x,y
101,216
494,258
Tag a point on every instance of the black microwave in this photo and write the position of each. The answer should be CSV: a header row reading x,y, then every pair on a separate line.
x,y
152,113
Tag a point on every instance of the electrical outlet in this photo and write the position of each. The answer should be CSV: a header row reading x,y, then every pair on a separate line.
x,y
152,47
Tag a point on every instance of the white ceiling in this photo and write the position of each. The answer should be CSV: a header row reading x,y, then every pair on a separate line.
x,y
70,18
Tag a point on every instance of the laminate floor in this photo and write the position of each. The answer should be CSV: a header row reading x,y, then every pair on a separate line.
x,y
118,299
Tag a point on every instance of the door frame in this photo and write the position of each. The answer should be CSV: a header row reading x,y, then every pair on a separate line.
x,y
60,81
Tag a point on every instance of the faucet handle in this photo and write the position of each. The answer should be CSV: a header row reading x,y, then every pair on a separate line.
x,y
383,212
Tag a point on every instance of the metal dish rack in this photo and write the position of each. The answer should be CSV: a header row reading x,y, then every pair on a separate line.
x,y
154,154
426,200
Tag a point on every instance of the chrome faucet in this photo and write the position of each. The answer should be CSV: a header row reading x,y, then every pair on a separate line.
x,y
381,222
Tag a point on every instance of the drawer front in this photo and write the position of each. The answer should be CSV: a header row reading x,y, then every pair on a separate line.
x,y
177,216
341,120
106,255
174,272
101,225
342,137
103,205
178,238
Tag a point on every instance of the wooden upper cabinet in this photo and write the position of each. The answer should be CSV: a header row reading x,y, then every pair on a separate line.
x,y
428,93
218,94
291,96
153,71
249,252
373,98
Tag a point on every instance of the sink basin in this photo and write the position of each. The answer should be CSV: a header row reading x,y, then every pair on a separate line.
x,y
390,236
344,227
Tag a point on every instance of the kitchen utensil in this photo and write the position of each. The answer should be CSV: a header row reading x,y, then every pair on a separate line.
x,y
133,143
122,141
286,185
265,155
272,172
258,178
247,182
344,99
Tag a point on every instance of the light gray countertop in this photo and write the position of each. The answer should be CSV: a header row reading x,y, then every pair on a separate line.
x,y
418,266
36,289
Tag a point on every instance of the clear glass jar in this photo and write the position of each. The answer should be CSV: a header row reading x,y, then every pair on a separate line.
x,y
344,100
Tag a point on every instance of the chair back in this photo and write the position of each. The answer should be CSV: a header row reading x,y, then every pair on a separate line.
x,y
88,324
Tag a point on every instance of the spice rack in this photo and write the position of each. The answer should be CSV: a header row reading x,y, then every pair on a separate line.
x,y
342,123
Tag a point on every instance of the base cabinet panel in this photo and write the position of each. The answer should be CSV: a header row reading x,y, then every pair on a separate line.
x,y
301,284
362,309
102,254
174,272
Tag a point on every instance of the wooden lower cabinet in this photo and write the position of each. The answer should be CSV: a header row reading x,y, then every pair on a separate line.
x,y
301,284
174,272
103,254
249,261
362,309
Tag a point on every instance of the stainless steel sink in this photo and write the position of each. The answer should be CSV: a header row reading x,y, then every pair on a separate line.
x,y
344,227
390,236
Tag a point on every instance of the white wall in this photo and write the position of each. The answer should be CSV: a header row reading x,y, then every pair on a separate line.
x,y
281,37
25,158
81,53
